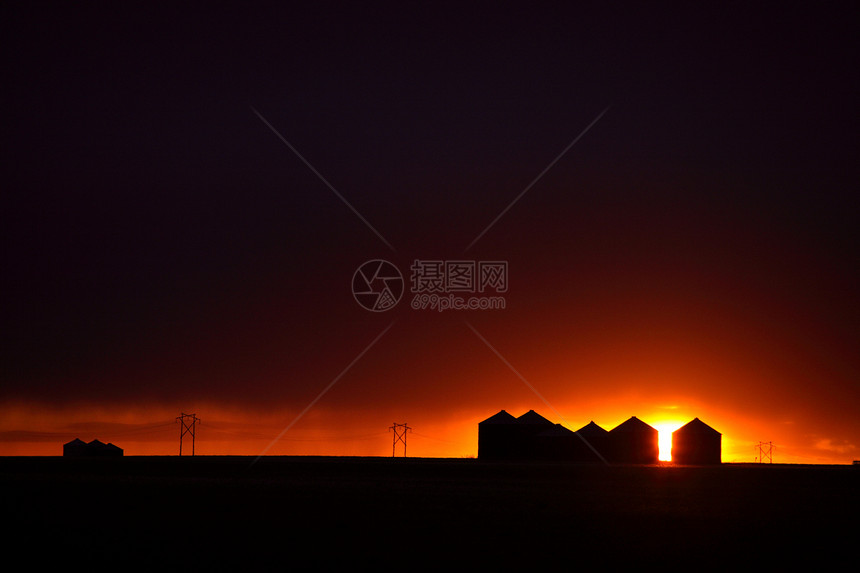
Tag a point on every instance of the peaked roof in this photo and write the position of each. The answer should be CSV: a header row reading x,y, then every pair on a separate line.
x,y
696,426
633,424
76,442
556,430
501,417
532,417
591,429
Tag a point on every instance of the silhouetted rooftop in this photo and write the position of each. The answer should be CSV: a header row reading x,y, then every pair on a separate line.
x,y
532,417
696,426
591,429
633,424
556,430
501,417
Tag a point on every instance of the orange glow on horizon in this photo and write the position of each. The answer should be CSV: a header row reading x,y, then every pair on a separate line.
x,y
31,429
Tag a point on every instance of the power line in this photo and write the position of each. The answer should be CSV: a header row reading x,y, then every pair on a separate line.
x,y
435,438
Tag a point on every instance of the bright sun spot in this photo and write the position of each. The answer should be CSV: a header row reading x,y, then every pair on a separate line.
x,y
665,430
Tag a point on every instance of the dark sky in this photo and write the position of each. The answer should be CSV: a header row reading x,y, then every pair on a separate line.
x,y
163,247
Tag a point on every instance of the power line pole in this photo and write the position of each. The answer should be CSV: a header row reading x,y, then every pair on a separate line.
x,y
765,450
187,428
399,436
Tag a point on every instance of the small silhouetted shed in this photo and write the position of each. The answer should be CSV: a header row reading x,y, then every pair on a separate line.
x,y
95,448
100,449
75,448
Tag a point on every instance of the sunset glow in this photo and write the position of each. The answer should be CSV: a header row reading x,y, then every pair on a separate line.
x,y
665,430
229,431
305,237
430,283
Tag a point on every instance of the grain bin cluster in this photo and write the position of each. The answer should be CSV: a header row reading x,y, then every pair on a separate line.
x,y
533,437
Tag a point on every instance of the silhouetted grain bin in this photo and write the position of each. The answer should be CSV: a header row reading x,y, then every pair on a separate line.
x,y
557,443
597,438
527,444
634,442
503,437
496,436
696,443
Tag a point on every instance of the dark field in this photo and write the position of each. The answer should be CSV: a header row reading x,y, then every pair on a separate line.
x,y
223,513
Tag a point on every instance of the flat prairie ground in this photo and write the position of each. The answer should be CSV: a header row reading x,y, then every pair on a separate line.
x,y
333,513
